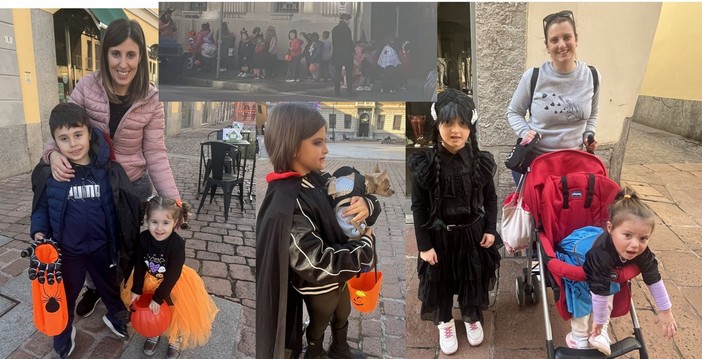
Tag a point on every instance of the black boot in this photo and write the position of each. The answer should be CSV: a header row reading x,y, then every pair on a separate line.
x,y
315,349
340,348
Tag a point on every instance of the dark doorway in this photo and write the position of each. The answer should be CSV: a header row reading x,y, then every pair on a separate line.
x,y
454,50
364,125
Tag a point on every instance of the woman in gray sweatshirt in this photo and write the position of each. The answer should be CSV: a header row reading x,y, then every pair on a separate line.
x,y
564,105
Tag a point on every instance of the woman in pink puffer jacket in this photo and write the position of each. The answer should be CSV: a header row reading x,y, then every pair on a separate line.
x,y
121,101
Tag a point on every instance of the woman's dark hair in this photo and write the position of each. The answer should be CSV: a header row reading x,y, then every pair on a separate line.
x,y
557,18
288,125
118,32
293,31
225,29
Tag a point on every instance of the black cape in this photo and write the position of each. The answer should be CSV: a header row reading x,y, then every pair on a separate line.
x,y
278,310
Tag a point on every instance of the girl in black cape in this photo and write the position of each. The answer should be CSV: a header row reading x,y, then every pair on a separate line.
x,y
301,252
455,213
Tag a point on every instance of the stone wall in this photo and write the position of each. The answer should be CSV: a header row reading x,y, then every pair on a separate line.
x,y
678,116
500,56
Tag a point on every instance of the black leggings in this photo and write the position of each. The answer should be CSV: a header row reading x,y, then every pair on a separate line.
x,y
321,307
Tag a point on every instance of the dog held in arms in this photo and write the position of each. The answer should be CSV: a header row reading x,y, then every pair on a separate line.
x,y
347,182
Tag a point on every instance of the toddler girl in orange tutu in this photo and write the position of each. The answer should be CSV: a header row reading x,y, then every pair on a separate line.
x,y
160,268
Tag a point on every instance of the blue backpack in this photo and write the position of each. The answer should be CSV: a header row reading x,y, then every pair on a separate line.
x,y
572,250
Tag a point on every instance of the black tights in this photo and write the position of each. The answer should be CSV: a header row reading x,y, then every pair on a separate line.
x,y
335,305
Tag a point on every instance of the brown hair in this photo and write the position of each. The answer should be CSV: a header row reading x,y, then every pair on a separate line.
x,y
557,18
288,125
178,210
117,32
628,203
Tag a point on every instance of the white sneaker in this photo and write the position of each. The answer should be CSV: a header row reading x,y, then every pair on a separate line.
x,y
475,333
575,342
447,337
601,342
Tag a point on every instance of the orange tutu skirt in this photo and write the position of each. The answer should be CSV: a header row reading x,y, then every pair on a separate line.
x,y
193,310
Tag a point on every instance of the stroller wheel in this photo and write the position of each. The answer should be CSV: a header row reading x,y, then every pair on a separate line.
x,y
519,288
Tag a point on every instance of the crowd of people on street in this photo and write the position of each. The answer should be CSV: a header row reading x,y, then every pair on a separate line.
x,y
317,56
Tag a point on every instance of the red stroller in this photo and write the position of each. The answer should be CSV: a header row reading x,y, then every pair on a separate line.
x,y
567,190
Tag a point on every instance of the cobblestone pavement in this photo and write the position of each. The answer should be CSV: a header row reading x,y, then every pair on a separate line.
x,y
666,170
222,252
381,333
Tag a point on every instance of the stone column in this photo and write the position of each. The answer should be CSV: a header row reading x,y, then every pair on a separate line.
x,y
500,58
45,63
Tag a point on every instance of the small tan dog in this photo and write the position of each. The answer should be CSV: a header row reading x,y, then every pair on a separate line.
x,y
378,182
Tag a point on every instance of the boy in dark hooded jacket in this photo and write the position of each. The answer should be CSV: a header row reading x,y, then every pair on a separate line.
x,y
81,216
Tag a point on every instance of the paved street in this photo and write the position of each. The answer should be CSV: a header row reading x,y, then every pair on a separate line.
x,y
199,86
667,170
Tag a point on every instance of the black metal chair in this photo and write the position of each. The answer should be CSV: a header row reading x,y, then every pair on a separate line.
x,y
205,156
219,134
215,174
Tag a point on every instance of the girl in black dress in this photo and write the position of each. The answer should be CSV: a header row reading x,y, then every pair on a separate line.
x,y
455,213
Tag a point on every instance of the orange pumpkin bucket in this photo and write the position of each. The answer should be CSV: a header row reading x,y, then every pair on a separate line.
x,y
145,322
365,290
48,293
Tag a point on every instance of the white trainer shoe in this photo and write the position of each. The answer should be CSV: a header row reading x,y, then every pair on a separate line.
x,y
601,342
475,333
447,337
576,342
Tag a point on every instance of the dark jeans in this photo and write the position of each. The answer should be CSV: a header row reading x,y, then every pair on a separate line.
x,y
335,305
294,68
324,71
97,265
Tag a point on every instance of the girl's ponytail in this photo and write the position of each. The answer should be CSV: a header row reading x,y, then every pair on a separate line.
x,y
628,203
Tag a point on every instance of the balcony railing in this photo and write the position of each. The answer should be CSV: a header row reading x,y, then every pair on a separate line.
x,y
189,14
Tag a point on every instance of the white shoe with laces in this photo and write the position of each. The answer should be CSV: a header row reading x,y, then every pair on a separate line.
x,y
575,342
475,333
601,342
447,337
